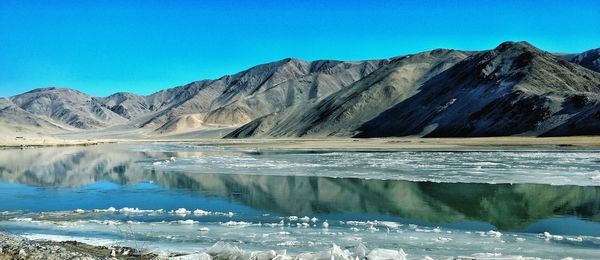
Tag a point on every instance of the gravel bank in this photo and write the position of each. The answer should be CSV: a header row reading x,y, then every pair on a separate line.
x,y
15,247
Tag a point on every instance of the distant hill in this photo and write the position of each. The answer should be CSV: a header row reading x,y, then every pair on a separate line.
x,y
67,107
514,89
589,59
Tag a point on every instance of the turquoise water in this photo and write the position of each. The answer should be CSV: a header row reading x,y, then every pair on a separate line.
x,y
189,197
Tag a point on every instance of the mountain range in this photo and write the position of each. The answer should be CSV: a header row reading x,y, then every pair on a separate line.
x,y
514,89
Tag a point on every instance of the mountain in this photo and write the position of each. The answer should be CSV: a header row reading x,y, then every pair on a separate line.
x,y
240,98
68,107
345,110
514,89
231,100
127,105
11,114
589,59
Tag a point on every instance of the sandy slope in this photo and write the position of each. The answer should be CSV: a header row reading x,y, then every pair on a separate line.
x,y
15,136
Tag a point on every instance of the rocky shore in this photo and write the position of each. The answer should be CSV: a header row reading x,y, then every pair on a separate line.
x,y
15,247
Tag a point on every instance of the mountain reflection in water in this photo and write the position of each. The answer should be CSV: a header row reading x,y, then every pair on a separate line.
x,y
506,206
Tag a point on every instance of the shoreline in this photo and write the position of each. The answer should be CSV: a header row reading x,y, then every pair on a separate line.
x,y
16,247
366,144
38,145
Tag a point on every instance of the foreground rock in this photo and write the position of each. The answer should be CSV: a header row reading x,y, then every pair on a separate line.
x,y
13,247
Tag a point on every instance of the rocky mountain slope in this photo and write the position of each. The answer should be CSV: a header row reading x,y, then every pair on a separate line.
x,y
345,110
514,89
589,59
238,99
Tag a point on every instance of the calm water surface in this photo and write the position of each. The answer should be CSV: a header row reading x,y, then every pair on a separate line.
x,y
187,197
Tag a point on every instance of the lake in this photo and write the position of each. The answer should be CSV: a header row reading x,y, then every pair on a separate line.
x,y
190,197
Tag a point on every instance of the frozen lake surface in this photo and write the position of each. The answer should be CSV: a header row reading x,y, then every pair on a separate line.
x,y
230,201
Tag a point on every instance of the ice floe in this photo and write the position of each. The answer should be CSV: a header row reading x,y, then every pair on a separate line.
x,y
110,210
548,236
187,222
127,210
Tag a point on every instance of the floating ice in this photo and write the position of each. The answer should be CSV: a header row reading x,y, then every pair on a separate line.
x,y
386,254
312,242
493,233
181,211
304,225
196,256
127,210
237,224
372,229
187,222
575,239
443,239
548,236
105,222
200,212
110,210
486,255
21,219
552,166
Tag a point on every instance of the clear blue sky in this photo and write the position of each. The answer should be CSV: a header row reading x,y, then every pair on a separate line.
x,y
100,47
